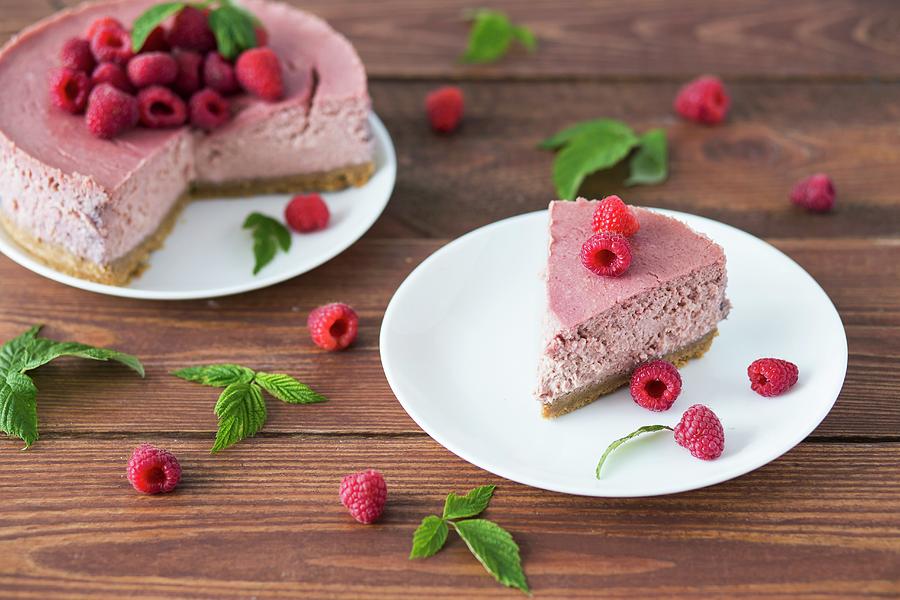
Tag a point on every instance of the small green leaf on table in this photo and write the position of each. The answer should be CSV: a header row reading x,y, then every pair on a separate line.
x,y
650,163
491,35
430,536
470,505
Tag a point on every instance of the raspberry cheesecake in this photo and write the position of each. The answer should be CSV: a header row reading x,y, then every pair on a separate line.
x,y
665,303
92,194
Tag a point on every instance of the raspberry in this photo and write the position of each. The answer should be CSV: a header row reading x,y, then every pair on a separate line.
x,y
161,107
333,326
219,74
259,72
112,74
156,41
69,89
772,376
815,193
103,23
703,100
110,111
606,254
112,45
152,68
262,36
614,216
76,55
656,385
208,109
445,109
700,431
307,213
189,78
190,31
152,470
364,495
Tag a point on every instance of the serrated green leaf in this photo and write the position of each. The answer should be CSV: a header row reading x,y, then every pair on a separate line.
x,y
430,536
219,375
268,235
495,549
148,21
491,34
650,163
241,411
620,441
18,407
233,28
43,351
589,151
287,389
14,353
601,127
470,505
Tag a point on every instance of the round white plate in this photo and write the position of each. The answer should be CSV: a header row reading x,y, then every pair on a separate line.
x,y
460,344
208,254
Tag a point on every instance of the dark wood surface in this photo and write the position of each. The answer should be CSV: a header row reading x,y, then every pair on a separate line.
x,y
815,87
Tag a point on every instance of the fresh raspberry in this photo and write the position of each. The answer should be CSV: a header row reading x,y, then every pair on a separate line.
x,y
208,110
656,385
333,326
152,68
103,23
606,254
815,193
110,111
76,55
614,216
152,470
700,431
307,213
262,36
258,71
772,376
190,76
112,74
112,45
219,74
703,100
445,108
156,41
69,89
364,495
161,107
190,31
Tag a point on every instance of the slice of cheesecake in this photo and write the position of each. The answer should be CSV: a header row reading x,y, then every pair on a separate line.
x,y
598,329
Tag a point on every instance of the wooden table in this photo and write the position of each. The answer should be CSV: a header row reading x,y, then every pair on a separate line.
x,y
815,87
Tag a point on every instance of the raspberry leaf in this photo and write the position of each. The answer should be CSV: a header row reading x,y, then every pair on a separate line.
x,y
650,163
601,126
620,441
430,536
18,407
148,21
491,35
495,549
268,235
216,375
233,28
470,505
14,353
287,389
43,351
591,150
241,411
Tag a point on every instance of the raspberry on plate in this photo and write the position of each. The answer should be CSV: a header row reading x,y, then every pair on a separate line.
x,y
218,74
190,75
152,68
208,110
76,54
364,494
112,45
69,89
333,326
160,107
110,111
258,71
444,107
614,216
152,470
102,23
703,100
656,385
772,376
190,31
112,74
306,213
606,254
815,193
701,432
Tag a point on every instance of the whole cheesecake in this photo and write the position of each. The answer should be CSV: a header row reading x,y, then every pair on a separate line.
x,y
599,329
96,208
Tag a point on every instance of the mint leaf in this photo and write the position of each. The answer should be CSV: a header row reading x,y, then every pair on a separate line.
x,y
216,375
18,407
650,164
491,34
620,441
268,235
470,505
233,28
429,537
601,127
241,411
495,549
287,389
591,150
148,21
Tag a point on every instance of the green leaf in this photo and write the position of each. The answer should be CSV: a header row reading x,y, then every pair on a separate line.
x,y
470,505
495,549
491,34
601,127
589,151
525,37
620,441
14,353
650,164
148,21
241,411
268,235
43,351
233,28
287,389
429,537
18,407
220,375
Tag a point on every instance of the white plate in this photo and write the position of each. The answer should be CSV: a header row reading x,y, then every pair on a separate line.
x,y
460,344
208,254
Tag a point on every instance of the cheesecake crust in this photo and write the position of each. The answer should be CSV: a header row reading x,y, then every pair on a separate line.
x,y
327,181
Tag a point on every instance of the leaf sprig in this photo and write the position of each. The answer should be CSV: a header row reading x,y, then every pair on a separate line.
x,y
492,545
233,27
241,409
492,34
268,236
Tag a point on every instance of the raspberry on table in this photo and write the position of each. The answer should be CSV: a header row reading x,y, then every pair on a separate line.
x,y
69,89
112,74
190,31
444,107
815,193
152,470
102,23
701,432
76,55
258,70
152,68
157,41
160,107
772,376
656,385
703,100
112,45
218,74
614,216
333,326
110,111
606,254
306,213
190,76
364,494
208,110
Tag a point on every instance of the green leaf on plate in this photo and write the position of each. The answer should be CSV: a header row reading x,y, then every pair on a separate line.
x,y
620,441
268,236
